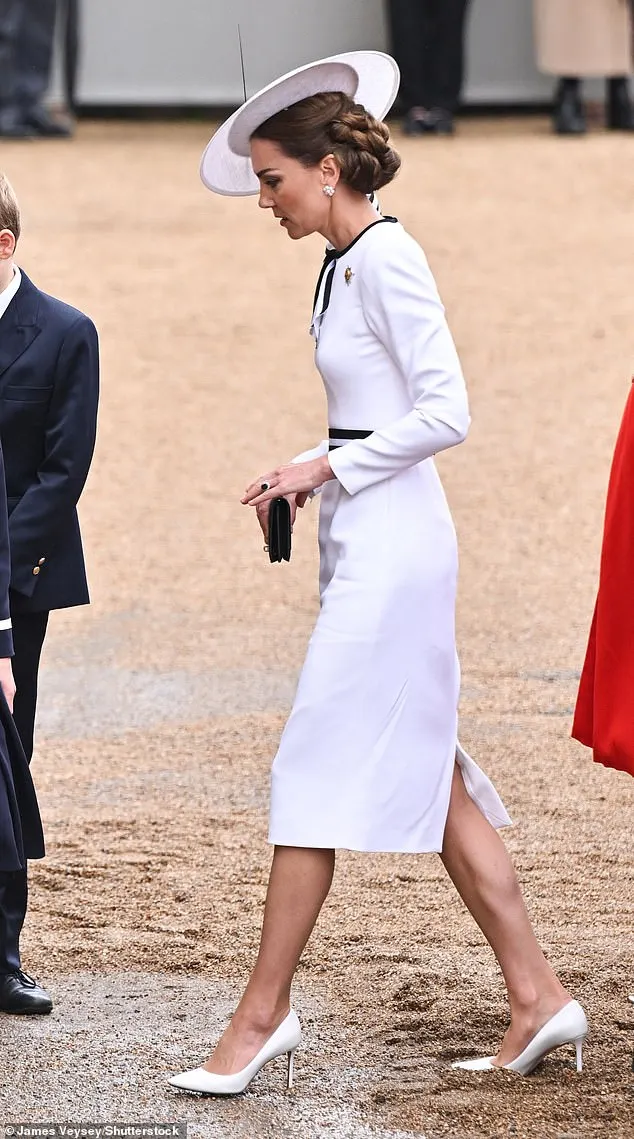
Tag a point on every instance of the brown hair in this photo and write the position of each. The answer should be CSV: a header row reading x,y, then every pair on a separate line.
x,y
331,123
9,208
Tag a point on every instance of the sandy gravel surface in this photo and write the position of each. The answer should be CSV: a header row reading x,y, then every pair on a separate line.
x,y
162,704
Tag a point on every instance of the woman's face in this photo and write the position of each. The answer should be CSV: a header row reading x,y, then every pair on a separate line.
x,y
294,192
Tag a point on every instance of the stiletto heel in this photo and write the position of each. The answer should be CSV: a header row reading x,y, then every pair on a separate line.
x,y
284,1041
568,1026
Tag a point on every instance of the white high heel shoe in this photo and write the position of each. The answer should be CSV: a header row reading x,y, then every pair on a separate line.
x,y
285,1039
568,1026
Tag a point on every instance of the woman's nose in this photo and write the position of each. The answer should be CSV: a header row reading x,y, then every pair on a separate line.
x,y
264,201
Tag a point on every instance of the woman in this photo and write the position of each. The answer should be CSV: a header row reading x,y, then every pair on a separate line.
x,y
369,759
583,38
604,712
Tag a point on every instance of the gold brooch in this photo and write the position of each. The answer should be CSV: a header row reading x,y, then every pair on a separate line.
x,y
348,275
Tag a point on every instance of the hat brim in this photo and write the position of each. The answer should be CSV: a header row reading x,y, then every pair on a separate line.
x,y
369,77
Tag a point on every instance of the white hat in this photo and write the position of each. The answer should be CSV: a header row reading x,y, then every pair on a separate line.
x,y
369,77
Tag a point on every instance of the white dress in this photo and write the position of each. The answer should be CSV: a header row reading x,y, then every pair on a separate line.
x,y
366,759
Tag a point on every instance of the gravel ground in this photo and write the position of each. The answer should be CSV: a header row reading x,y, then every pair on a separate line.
x,y
162,704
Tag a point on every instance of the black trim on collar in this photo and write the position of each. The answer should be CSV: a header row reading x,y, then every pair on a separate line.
x,y
334,254
330,261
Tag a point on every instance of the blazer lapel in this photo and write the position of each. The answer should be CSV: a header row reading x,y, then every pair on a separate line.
x,y
18,325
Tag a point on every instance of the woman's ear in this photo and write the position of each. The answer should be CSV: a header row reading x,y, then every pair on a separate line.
x,y
330,170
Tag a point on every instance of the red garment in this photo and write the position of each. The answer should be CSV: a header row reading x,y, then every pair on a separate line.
x,y
604,715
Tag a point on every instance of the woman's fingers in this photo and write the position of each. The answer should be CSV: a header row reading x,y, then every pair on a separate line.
x,y
262,490
262,498
263,518
294,478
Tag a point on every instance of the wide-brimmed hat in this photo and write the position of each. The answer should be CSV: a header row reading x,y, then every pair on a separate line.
x,y
369,77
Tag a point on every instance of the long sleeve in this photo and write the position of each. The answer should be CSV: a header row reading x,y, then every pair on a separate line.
x,y
69,445
6,640
403,309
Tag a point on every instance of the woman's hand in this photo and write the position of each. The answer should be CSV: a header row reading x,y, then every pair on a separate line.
x,y
292,479
295,501
7,683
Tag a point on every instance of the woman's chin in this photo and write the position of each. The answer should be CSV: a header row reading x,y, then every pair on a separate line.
x,y
296,232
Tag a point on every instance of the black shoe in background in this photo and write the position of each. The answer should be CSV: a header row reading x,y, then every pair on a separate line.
x,y
13,127
438,121
414,121
44,125
20,994
620,109
569,115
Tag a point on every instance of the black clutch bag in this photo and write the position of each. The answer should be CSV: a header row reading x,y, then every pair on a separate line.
x,y
279,530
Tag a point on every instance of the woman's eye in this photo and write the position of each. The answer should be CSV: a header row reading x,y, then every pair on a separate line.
x,y
273,183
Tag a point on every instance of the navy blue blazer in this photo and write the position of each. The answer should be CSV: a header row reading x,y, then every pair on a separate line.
x,y
49,390
21,834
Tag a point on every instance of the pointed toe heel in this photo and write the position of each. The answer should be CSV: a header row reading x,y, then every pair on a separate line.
x,y
483,1064
284,1042
568,1026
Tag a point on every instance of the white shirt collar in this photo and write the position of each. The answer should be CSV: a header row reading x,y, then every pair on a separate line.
x,y
7,295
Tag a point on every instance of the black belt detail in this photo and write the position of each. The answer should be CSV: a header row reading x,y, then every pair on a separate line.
x,y
347,436
336,433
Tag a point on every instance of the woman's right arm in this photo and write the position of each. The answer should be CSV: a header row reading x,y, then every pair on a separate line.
x,y
403,309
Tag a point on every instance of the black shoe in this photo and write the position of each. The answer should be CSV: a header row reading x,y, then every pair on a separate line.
x,y
414,121
438,121
13,128
620,109
569,116
434,121
44,125
19,993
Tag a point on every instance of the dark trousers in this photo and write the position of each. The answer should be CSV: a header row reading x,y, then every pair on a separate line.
x,y
27,30
428,45
29,630
13,902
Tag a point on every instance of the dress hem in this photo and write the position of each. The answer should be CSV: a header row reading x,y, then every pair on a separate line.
x,y
304,845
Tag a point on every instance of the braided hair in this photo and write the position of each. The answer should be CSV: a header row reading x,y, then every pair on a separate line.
x,y
331,123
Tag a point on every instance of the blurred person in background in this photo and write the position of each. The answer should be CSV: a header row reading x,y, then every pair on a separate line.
x,y
49,383
580,39
27,32
428,45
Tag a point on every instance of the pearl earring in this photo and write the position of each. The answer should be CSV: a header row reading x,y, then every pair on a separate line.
x,y
328,190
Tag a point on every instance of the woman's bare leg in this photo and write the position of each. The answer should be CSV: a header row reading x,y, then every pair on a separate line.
x,y
480,868
298,886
